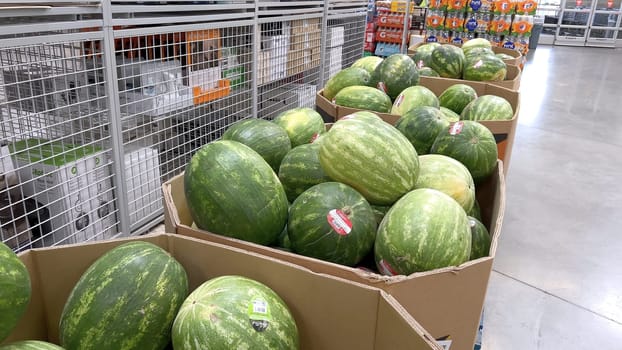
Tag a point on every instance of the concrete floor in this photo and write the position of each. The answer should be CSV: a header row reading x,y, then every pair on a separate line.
x,y
557,281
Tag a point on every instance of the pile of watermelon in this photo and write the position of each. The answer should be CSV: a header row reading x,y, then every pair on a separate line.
x,y
475,61
363,190
135,296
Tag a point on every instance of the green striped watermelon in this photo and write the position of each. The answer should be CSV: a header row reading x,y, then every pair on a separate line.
x,y
477,52
505,56
421,125
423,54
301,169
475,211
371,156
333,222
448,61
364,97
472,144
127,299
351,76
31,345
449,115
302,125
266,138
488,107
427,72
484,68
448,176
379,212
457,96
476,43
425,230
480,239
14,290
232,191
412,97
234,312
394,74
283,241
369,63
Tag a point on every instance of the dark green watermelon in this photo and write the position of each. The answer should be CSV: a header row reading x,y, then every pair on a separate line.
x,y
423,55
394,74
475,211
232,191
427,72
412,97
301,169
30,345
480,239
457,96
449,115
15,290
266,138
484,68
333,222
448,61
364,97
350,76
421,125
472,144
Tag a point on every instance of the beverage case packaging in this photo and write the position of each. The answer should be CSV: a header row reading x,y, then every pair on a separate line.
x,y
438,5
480,6
500,24
454,21
504,7
526,7
522,25
435,19
456,5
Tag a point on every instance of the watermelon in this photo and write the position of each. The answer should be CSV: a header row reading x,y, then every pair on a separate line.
x,y
484,68
480,239
478,52
266,138
15,290
505,56
472,144
394,74
351,76
379,212
427,72
371,156
283,241
488,107
302,125
234,312
449,115
232,191
475,211
127,299
364,97
423,54
301,169
332,222
424,230
448,61
475,43
412,97
457,96
421,125
448,176
369,63
31,345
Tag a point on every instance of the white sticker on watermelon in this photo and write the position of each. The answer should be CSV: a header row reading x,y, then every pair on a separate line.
x,y
259,314
381,86
456,128
399,100
339,221
385,268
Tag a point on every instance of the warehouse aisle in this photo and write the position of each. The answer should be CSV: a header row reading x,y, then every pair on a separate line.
x,y
557,283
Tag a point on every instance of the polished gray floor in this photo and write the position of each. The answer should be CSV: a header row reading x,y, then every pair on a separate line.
x,y
557,279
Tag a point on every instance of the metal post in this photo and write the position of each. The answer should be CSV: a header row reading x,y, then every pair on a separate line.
x,y
256,47
116,130
323,53
406,31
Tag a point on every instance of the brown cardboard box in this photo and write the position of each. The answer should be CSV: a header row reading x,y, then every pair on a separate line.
x,y
447,302
331,313
503,130
305,25
518,59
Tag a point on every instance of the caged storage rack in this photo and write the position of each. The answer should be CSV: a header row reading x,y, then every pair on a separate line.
x,y
103,101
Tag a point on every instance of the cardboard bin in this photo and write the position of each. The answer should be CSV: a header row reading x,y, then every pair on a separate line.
x,y
503,130
447,302
331,312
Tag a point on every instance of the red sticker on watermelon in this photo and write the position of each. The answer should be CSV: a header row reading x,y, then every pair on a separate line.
x,y
399,100
339,222
456,128
381,86
314,137
385,268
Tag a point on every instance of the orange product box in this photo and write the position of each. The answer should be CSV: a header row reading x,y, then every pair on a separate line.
x,y
526,7
391,20
389,35
438,5
522,25
456,5
435,20
454,21
504,7
500,24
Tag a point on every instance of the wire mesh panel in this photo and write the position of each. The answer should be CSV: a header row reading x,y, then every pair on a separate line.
x,y
344,36
180,86
289,56
56,183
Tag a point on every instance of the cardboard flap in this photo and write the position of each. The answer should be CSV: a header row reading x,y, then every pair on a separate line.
x,y
173,192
